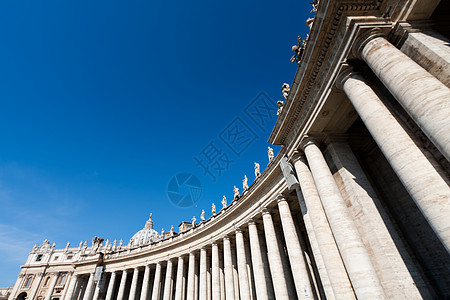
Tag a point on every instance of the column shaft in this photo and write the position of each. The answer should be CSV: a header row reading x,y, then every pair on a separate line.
x,y
244,286
179,282
423,96
134,282
331,257
157,282
215,272
145,283
257,262
295,251
203,278
52,286
72,285
191,277
353,252
110,291
427,188
89,288
123,282
276,265
228,267
168,283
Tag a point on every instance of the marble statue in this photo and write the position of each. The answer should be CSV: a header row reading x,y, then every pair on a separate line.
x,y
257,170
245,183
280,107
171,231
67,245
285,89
315,4
298,50
236,193
114,244
224,201
194,221
309,22
270,154
53,245
202,216
81,245
162,233
35,247
213,209
85,244
120,244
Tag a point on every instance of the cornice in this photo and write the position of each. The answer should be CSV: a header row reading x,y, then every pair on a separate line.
x,y
308,72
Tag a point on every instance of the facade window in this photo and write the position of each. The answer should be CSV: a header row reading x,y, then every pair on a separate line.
x,y
62,279
47,280
39,257
56,258
69,256
28,281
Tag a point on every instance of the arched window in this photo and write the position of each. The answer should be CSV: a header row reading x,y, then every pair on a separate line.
x,y
47,280
28,281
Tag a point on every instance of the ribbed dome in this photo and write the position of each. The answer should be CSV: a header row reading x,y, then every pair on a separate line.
x,y
145,235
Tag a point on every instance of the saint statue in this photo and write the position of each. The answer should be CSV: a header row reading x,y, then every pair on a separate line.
x,y
224,201
245,183
285,89
213,209
171,231
202,216
270,154
280,107
257,170
236,193
194,221
67,245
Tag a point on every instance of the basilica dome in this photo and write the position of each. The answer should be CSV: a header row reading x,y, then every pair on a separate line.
x,y
145,235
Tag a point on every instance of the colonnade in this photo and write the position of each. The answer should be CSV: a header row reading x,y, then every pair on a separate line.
x,y
232,267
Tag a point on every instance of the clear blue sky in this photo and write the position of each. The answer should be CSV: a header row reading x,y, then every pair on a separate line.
x,y
103,102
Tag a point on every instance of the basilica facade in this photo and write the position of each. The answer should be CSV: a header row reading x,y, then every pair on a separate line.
x,y
356,204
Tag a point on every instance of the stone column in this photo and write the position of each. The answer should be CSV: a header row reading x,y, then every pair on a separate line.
x,y
215,271
244,286
203,280
35,285
66,285
134,282
295,251
180,275
427,188
422,95
314,213
97,290
89,288
145,283
112,281
72,285
52,286
353,252
257,262
191,277
228,268
275,263
157,282
168,283
123,282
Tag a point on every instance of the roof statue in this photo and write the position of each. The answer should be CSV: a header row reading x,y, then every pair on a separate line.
x,y
236,192
224,201
245,183
280,107
270,154
285,89
213,209
257,170
202,216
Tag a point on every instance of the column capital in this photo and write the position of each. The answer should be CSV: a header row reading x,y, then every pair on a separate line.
x,y
251,222
364,38
238,230
308,141
280,198
265,211
226,237
297,155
